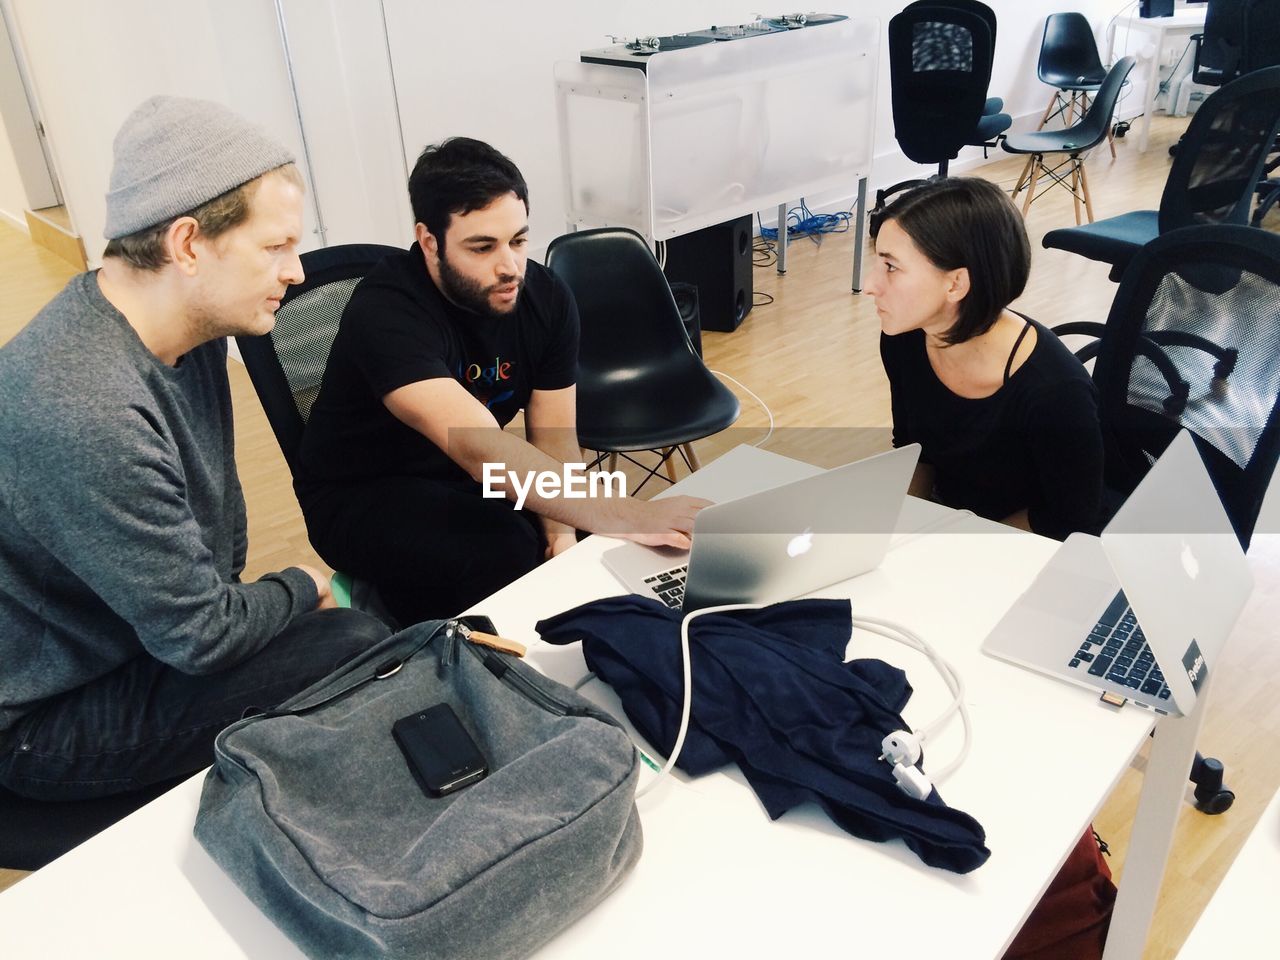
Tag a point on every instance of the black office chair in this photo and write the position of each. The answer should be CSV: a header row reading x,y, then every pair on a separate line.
x,y
1219,51
991,125
1069,62
1212,180
1074,142
940,58
641,386
34,833
287,365
1191,343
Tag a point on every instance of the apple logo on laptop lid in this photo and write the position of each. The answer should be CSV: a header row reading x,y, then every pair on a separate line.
x,y
800,544
1189,562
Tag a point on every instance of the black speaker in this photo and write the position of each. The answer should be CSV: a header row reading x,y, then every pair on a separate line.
x,y
1155,8
717,260
686,297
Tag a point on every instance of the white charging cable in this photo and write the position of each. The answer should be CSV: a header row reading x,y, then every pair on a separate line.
x,y
911,779
687,667
906,751
767,412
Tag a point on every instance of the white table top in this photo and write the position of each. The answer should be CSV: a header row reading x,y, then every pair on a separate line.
x,y
716,873
1241,919
1183,18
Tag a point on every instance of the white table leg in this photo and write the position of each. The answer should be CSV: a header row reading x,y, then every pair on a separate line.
x,y
1163,789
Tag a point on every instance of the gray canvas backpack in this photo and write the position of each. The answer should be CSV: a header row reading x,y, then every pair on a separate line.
x,y
313,811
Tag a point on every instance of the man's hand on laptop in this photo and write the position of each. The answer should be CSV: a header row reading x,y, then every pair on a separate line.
x,y
667,522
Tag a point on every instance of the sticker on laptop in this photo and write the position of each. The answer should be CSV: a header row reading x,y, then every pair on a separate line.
x,y
1193,663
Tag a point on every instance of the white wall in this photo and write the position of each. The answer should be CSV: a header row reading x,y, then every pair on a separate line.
x,y
489,76
481,70
13,198
92,63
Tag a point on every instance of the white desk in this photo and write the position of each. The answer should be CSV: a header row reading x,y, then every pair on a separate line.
x,y
1184,22
717,877
1241,919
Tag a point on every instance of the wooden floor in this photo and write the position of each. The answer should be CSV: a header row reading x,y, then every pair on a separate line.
x,y
812,355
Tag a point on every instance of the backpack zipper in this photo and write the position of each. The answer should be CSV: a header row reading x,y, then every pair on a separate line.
x,y
497,664
382,671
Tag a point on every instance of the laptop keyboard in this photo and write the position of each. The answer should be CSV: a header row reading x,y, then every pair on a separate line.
x,y
1117,650
669,585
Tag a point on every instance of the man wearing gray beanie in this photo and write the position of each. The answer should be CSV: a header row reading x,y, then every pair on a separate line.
x,y
127,638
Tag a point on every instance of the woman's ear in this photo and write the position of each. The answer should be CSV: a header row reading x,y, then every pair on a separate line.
x,y
958,286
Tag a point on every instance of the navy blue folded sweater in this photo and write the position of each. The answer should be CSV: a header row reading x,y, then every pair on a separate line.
x,y
772,693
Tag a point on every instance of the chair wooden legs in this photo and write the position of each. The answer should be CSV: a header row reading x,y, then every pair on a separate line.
x,y
668,458
691,456
1084,187
1022,178
1076,168
613,462
1035,163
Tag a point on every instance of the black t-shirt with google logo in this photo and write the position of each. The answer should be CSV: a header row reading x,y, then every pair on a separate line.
x,y
399,329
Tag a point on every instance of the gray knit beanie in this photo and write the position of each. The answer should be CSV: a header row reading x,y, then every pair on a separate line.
x,y
173,153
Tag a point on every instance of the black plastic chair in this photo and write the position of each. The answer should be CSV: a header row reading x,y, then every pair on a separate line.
x,y
1069,62
1074,141
641,386
34,833
1191,343
940,57
1212,180
287,365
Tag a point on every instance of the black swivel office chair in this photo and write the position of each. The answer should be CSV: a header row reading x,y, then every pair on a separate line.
x,y
1212,179
993,122
287,365
1069,62
1191,342
641,386
1074,142
1219,51
940,57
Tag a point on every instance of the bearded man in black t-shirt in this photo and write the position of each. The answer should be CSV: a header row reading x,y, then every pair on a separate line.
x,y
438,349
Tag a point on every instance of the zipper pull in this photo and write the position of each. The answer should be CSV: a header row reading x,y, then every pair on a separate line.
x,y
452,639
492,641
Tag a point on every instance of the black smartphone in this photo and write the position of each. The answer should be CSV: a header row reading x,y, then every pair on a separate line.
x,y
441,754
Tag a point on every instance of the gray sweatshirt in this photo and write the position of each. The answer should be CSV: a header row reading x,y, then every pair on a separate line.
x,y
122,521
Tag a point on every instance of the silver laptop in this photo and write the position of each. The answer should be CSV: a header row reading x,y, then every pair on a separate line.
x,y
1141,613
780,543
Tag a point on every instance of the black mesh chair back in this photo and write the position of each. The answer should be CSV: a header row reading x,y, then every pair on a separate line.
x,y
287,364
939,67
1069,54
1193,341
641,385
1219,53
1221,157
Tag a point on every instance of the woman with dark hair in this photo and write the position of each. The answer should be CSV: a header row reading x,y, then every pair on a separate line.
x,y
1006,416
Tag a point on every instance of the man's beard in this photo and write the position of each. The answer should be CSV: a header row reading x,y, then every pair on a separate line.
x,y
471,295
